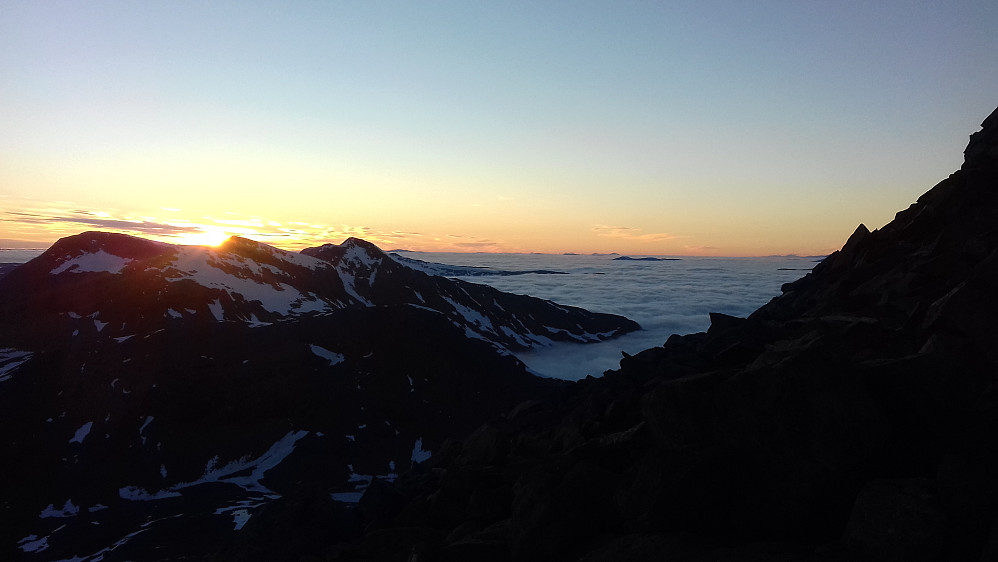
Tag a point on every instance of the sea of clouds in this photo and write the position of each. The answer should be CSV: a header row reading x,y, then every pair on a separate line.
x,y
664,297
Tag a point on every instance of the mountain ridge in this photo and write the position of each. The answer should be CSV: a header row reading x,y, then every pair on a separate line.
x,y
246,281
150,391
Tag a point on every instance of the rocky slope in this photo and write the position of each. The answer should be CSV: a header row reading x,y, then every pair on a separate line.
x,y
855,417
151,393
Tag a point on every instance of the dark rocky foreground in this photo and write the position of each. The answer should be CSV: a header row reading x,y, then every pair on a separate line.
x,y
853,418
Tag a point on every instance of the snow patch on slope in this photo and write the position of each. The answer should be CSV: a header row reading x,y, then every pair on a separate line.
x,y
245,472
11,359
68,510
348,280
136,494
32,543
233,471
418,454
331,356
93,262
217,310
237,275
473,317
82,433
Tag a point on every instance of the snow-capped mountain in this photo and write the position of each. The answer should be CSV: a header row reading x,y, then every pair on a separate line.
x,y
123,286
515,321
145,384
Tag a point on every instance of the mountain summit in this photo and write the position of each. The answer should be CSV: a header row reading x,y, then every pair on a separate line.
x,y
134,286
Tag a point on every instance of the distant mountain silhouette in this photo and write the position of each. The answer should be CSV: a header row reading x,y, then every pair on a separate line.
x,y
629,258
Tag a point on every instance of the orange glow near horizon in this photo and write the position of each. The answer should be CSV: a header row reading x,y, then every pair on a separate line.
x,y
43,225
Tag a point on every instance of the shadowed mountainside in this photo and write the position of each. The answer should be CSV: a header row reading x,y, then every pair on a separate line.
x,y
855,417
153,397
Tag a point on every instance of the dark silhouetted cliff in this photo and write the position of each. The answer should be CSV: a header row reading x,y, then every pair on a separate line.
x,y
855,417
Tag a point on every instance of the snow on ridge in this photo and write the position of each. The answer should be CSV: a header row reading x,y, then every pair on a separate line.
x,y
99,261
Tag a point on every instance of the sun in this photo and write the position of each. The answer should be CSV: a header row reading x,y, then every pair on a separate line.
x,y
206,237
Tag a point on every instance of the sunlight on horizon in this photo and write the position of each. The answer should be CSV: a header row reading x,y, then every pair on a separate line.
x,y
204,238
28,222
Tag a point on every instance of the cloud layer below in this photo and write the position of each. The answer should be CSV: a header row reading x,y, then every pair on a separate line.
x,y
664,297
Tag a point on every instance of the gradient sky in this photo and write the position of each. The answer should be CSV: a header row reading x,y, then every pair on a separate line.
x,y
704,128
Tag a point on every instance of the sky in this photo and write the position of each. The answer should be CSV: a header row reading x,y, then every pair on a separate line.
x,y
655,128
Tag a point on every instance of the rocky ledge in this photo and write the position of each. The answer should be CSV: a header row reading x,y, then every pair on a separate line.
x,y
855,417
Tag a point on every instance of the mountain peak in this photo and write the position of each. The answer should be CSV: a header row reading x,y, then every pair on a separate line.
x,y
333,253
982,150
91,241
354,241
239,241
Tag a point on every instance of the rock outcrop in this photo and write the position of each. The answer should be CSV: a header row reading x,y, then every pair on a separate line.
x,y
855,417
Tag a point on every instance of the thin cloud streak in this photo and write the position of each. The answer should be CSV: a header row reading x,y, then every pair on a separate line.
x,y
52,222
630,233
